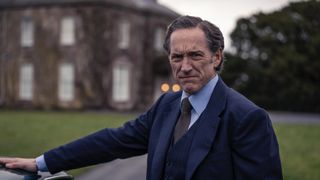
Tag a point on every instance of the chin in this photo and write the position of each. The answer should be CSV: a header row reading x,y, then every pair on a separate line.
x,y
190,90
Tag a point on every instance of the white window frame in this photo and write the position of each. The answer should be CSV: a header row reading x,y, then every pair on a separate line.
x,y
27,32
124,35
66,82
67,31
121,83
159,36
26,82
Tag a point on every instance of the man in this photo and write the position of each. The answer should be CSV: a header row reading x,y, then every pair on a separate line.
x,y
207,131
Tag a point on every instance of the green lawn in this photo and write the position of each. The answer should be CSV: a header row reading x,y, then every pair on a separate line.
x,y
299,150
28,134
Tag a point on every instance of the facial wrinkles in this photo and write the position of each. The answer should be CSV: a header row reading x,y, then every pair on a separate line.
x,y
188,67
187,45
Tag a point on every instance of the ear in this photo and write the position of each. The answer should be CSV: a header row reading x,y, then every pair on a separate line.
x,y
217,57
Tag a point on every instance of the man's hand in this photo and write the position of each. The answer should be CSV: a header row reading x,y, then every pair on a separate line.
x,y
20,163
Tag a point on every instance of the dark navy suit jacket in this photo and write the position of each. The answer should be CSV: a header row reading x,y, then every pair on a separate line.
x,y
235,141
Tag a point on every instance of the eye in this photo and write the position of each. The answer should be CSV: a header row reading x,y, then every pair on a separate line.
x,y
176,57
196,55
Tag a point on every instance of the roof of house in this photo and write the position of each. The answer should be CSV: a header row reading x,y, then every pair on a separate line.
x,y
150,6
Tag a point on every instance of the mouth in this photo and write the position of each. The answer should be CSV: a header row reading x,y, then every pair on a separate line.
x,y
186,77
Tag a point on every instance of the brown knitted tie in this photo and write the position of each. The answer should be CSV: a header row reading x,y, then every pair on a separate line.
x,y
184,120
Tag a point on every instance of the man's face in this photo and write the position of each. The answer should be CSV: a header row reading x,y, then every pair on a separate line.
x,y
191,60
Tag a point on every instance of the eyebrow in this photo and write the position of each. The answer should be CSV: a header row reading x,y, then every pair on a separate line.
x,y
188,53
175,56
195,52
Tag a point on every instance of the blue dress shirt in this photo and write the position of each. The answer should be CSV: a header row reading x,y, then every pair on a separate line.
x,y
41,164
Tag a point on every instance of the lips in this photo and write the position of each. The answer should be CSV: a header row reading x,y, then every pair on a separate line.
x,y
186,77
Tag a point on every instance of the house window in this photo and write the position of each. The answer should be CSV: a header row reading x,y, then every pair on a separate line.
x,y
121,86
66,82
124,35
159,39
26,82
27,32
67,32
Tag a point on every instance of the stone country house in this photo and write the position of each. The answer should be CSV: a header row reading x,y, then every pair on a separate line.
x,y
79,54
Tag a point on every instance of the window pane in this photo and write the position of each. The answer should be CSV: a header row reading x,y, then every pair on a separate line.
x,y
26,32
120,88
26,82
124,36
66,82
67,36
159,39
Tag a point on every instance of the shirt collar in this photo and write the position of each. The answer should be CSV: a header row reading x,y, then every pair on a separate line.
x,y
200,99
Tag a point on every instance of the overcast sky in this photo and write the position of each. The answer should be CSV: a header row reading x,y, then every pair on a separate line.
x,y
223,13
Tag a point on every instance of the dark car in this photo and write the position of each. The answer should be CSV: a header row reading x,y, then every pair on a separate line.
x,y
19,174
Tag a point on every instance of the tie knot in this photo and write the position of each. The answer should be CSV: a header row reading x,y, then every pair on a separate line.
x,y
186,105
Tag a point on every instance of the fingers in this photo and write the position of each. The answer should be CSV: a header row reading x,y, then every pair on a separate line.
x,y
4,160
12,163
21,163
8,161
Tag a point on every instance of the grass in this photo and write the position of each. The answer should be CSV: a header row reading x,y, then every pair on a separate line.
x,y
299,150
29,134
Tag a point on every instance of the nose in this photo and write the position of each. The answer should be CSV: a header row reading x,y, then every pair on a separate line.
x,y
186,65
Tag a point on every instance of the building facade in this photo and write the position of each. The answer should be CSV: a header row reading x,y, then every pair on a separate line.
x,y
76,54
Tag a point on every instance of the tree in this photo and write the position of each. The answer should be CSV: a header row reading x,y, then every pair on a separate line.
x,y
276,58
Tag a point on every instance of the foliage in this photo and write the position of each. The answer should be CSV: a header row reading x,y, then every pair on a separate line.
x,y
276,58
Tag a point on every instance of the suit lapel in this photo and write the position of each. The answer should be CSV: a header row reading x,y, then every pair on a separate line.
x,y
209,122
170,116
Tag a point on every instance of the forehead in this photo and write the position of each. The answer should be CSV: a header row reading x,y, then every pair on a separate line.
x,y
182,40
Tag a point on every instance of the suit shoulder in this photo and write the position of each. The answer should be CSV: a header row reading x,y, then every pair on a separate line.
x,y
240,106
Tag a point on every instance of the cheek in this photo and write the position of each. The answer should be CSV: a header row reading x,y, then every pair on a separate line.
x,y
206,70
174,69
